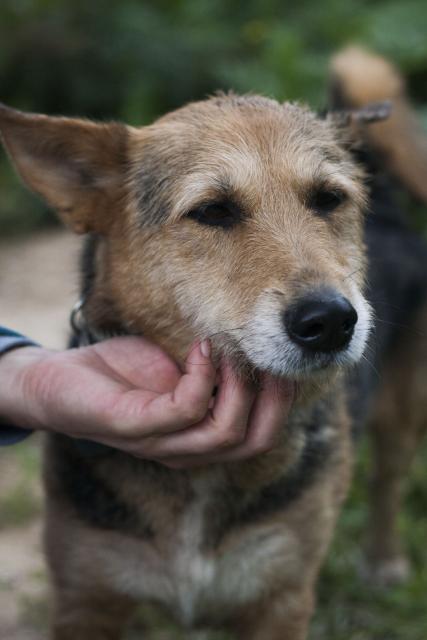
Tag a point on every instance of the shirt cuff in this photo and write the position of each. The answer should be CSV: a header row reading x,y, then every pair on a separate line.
x,y
11,434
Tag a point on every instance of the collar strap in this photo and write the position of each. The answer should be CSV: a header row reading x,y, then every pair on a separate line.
x,y
81,332
83,337
9,340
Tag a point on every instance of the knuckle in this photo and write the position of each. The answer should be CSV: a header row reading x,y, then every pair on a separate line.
x,y
192,413
118,418
118,427
263,446
230,437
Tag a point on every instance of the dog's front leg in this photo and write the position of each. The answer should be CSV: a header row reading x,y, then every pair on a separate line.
x,y
285,617
89,615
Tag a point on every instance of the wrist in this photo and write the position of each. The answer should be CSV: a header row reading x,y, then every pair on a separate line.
x,y
18,404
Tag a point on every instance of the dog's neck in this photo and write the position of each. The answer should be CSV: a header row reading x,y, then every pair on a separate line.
x,y
292,449
85,333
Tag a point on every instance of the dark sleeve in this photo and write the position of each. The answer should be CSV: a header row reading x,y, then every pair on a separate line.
x,y
10,434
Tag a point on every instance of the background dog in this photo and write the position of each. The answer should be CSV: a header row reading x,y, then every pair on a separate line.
x,y
241,219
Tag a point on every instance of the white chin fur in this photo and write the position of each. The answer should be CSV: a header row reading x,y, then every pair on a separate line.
x,y
267,345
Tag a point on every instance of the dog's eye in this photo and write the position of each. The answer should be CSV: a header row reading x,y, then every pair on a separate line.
x,y
216,215
324,201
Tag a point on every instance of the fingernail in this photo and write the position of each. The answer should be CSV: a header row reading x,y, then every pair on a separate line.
x,y
205,348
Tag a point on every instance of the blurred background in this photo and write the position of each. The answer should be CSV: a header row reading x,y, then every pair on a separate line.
x,y
134,60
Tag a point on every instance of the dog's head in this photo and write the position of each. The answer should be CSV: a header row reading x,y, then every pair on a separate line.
x,y
236,218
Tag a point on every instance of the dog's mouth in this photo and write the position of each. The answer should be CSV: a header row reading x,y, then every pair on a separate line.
x,y
290,364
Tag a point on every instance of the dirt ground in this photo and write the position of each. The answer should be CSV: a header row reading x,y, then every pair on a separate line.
x,y
38,285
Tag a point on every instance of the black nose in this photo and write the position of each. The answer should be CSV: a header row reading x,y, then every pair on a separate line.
x,y
323,321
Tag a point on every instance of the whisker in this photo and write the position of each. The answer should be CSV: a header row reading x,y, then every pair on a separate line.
x,y
353,273
385,304
401,326
374,369
218,333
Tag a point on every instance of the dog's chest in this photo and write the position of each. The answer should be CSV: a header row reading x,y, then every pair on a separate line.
x,y
196,581
193,569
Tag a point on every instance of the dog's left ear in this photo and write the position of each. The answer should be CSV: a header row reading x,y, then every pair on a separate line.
x,y
77,166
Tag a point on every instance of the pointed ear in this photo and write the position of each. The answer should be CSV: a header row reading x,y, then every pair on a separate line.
x,y
77,166
370,113
351,123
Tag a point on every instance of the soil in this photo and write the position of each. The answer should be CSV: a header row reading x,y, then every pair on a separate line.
x,y
38,285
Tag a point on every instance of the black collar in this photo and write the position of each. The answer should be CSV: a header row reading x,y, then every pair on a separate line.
x,y
82,336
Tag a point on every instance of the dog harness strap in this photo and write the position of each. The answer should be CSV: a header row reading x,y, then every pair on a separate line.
x,y
9,340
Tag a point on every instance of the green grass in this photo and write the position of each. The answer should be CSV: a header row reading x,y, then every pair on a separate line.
x,y
348,608
35,609
21,502
18,507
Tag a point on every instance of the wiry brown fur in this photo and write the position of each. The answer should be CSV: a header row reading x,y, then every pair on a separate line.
x,y
236,545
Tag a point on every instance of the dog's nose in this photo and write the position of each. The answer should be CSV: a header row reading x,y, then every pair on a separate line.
x,y
323,321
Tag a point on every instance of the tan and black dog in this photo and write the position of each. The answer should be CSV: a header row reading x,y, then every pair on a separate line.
x,y
246,220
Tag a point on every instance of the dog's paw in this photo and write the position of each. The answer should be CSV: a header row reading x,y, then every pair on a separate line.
x,y
385,572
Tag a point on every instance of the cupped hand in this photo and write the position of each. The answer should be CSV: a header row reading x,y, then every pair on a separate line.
x,y
129,394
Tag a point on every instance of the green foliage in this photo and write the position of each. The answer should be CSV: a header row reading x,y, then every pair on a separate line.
x,y
21,501
348,608
133,59
18,507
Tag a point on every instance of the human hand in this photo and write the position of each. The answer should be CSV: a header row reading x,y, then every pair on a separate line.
x,y
128,394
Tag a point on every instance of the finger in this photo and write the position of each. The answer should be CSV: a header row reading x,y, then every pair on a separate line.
x,y
270,414
234,399
223,428
267,421
186,405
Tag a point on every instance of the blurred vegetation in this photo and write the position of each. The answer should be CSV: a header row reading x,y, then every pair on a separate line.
x,y
136,59
20,494
349,608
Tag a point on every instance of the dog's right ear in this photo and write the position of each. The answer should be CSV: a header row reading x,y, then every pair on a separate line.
x,y
77,166
368,114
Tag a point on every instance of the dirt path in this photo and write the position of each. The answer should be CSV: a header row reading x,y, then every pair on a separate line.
x,y
38,285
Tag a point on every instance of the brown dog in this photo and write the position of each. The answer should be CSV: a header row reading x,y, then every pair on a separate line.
x,y
241,219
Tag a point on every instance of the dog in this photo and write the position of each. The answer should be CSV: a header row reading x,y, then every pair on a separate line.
x,y
245,220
